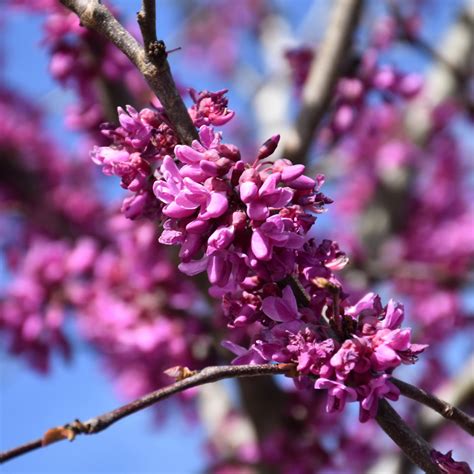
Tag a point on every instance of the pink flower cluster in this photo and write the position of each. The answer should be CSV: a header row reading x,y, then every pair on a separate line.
x,y
140,143
245,222
353,361
65,254
33,328
232,218
143,140
210,108
430,255
133,318
134,310
365,76
297,445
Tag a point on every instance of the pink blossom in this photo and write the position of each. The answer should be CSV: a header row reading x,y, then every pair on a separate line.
x,y
370,394
203,159
448,465
338,394
210,108
353,355
183,196
268,195
274,232
393,347
282,309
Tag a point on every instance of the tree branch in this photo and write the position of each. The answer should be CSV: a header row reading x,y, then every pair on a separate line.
x,y
411,444
102,422
459,391
146,19
153,65
417,449
445,409
322,79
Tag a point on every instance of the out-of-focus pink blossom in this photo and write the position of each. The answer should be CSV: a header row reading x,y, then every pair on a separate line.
x,y
447,464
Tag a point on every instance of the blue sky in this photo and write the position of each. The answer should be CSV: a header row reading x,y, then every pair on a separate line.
x,y
30,404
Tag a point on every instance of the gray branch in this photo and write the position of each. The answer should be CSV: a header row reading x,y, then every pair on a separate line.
x,y
445,409
153,65
411,444
321,82
102,422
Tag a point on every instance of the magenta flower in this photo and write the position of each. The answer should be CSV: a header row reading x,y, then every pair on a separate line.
x,y
246,225
353,355
338,394
282,309
292,175
167,189
210,108
370,306
240,311
274,232
136,126
226,268
114,161
221,238
387,346
448,465
245,356
194,267
394,314
269,195
183,196
212,204
205,158
377,388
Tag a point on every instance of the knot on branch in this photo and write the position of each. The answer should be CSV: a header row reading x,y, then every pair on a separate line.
x,y
89,13
180,373
448,410
68,431
78,427
156,51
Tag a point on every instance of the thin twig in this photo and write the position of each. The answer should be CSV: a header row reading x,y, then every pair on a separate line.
x,y
23,449
445,409
325,70
459,391
102,422
418,42
146,19
154,66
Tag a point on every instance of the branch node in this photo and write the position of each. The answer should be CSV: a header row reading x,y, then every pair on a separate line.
x,y
156,51
448,410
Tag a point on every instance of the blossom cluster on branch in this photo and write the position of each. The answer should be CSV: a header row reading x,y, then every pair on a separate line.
x,y
245,221
243,224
